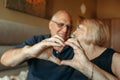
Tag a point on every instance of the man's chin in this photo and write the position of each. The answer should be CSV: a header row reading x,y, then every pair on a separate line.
x,y
65,38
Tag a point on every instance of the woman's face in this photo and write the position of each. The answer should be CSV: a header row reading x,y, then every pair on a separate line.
x,y
81,32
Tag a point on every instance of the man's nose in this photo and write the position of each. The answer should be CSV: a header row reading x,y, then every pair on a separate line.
x,y
64,28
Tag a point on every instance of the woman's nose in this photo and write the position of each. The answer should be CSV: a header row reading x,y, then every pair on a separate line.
x,y
74,32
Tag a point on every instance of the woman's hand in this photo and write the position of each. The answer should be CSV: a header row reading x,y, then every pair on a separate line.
x,y
80,60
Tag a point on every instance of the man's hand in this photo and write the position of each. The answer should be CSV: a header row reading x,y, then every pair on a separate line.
x,y
46,49
47,54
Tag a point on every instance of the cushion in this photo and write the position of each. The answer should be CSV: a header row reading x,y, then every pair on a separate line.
x,y
14,33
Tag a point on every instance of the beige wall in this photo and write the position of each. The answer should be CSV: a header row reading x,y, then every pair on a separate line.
x,y
108,8
52,6
101,8
16,16
72,6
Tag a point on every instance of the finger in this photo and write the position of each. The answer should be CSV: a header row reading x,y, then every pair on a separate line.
x,y
73,45
75,42
45,54
72,40
77,49
65,62
54,59
58,37
55,40
48,44
52,42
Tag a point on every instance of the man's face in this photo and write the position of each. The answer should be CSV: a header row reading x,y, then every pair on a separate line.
x,y
61,26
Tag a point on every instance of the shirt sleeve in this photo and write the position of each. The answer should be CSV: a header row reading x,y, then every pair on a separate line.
x,y
31,41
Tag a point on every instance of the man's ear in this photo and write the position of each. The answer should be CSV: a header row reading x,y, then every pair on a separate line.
x,y
50,25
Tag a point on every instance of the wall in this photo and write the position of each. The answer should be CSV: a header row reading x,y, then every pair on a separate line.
x,y
16,16
72,6
52,6
108,8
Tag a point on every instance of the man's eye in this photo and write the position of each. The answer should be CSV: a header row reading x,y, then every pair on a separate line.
x,y
61,24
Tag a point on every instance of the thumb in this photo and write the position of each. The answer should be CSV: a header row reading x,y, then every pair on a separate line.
x,y
66,62
54,59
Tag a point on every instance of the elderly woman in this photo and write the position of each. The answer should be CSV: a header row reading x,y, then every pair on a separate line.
x,y
91,57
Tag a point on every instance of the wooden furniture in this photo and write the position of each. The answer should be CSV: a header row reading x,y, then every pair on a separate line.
x,y
114,26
